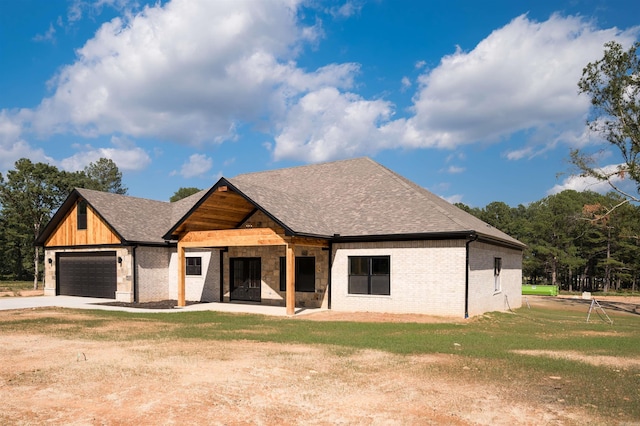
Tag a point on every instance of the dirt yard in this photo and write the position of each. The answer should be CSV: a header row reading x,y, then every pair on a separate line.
x,y
55,381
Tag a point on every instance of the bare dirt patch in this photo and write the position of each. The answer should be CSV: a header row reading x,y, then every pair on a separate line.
x,y
73,382
51,380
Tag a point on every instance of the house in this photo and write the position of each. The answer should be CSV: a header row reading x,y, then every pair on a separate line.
x,y
348,235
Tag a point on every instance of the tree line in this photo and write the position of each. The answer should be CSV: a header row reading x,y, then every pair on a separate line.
x,y
576,240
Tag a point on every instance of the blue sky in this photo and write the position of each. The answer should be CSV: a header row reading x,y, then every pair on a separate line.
x,y
475,101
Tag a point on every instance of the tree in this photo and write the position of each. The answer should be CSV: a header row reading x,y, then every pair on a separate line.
x,y
613,83
103,175
183,193
28,197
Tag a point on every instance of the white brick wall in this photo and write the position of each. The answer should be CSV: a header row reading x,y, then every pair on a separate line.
x,y
427,277
202,288
482,297
153,273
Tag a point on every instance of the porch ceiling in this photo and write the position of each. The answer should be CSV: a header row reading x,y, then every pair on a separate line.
x,y
224,209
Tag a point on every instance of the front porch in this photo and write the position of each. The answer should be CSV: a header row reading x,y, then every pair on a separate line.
x,y
262,266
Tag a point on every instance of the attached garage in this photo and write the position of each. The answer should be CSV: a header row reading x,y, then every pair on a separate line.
x,y
87,274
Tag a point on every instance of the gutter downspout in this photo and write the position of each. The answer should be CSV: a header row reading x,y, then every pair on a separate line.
x,y
329,277
135,275
222,251
472,237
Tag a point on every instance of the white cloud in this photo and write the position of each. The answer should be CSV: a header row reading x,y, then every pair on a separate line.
x,y
12,144
456,198
49,35
522,76
198,165
349,8
187,71
420,64
455,169
326,124
519,153
126,156
405,83
580,183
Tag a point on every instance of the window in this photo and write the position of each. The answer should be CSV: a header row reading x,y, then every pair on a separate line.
x,y
305,274
194,266
497,268
82,214
370,275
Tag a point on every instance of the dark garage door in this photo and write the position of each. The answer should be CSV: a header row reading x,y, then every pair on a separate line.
x,y
87,274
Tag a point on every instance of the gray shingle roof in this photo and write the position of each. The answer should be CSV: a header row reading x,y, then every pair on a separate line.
x,y
356,197
352,198
135,219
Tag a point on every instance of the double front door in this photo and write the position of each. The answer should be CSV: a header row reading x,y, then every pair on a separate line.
x,y
245,278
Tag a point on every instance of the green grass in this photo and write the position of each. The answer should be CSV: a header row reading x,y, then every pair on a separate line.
x,y
17,286
484,345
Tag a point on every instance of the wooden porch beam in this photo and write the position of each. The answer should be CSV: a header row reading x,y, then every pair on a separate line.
x,y
182,260
310,242
291,279
232,238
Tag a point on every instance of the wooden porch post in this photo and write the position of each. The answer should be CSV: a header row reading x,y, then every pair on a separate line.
x,y
291,279
181,275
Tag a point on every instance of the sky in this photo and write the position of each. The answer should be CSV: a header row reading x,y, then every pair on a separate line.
x,y
475,101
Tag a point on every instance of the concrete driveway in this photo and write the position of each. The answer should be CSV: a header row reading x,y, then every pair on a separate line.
x,y
73,302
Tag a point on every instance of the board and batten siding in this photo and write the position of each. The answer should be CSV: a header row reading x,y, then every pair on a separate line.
x,y
68,234
427,277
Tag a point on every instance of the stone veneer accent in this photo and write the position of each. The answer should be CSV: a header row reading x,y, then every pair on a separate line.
x,y
270,271
124,271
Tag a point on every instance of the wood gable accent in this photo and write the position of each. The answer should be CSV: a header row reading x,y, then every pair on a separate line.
x,y
223,209
67,232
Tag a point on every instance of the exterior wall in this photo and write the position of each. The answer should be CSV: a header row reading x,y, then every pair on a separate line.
x,y
201,288
68,234
270,293
482,294
124,270
427,277
153,273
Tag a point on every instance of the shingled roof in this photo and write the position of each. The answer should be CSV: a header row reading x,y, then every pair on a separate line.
x,y
133,219
357,198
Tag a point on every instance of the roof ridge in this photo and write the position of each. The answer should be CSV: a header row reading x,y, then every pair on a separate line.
x,y
322,163
113,194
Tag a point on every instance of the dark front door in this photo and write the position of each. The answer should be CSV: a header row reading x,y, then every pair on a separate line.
x,y
87,274
245,278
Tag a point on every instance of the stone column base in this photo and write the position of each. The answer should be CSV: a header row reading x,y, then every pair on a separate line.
x,y
124,296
